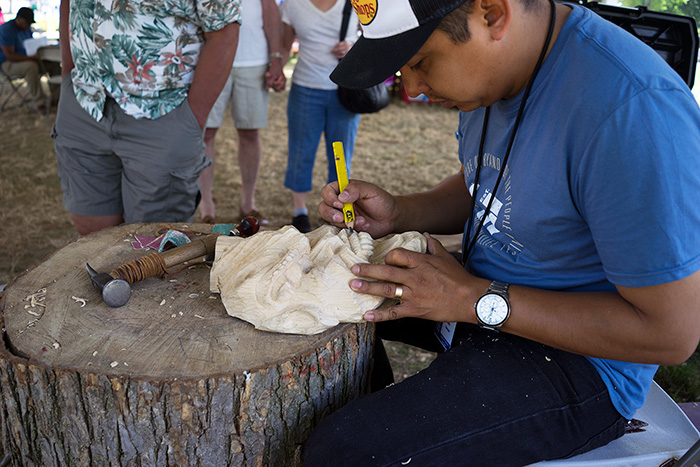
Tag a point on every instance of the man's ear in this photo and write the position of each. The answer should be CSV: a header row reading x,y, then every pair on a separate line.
x,y
496,16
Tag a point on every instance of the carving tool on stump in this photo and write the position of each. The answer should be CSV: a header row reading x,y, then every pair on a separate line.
x,y
115,287
342,171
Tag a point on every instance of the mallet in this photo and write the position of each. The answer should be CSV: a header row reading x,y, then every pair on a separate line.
x,y
115,287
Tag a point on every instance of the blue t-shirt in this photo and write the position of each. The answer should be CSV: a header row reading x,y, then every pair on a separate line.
x,y
11,35
602,183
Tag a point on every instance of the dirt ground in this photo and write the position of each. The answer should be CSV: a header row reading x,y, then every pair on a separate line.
x,y
404,148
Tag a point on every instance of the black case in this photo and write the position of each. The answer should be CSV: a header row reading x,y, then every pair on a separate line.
x,y
674,37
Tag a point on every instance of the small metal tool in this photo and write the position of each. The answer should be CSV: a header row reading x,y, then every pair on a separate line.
x,y
115,286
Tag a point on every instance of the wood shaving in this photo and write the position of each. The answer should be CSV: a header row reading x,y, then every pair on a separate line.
x,y
162,303
198,316
113,364
36,299
94,354
82,301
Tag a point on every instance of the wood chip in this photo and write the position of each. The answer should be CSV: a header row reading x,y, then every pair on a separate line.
x,y
113,364
82,301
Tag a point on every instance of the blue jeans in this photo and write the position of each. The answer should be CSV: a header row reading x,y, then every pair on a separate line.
x,y
493,399
310,113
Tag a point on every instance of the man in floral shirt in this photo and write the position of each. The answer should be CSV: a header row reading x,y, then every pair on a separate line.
x,y
140,77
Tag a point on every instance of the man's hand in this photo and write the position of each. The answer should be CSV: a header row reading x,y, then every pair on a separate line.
x,y
435,286
375,209
274,78
11,56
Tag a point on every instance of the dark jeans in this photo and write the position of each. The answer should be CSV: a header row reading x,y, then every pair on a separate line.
x,y
493,399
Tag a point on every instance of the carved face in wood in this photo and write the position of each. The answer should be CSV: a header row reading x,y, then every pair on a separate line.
x,y
286,281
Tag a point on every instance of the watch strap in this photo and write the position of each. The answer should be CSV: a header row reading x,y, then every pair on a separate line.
x,y
500,288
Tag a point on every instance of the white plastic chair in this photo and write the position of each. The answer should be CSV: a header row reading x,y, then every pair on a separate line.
x,y
667,438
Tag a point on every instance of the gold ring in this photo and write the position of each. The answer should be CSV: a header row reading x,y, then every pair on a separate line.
x,y
398,293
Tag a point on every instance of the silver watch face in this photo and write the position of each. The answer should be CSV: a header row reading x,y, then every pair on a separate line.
x,y
492,309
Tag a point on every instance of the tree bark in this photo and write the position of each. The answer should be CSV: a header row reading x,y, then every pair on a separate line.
x,y
168,379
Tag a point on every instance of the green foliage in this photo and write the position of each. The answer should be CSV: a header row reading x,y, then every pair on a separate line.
x,y
681,382
676,7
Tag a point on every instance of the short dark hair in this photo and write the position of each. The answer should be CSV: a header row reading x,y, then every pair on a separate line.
x,y
456,25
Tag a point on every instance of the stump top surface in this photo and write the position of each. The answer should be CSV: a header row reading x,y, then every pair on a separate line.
x,y
170,328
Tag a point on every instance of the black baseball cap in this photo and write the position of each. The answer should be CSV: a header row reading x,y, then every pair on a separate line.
x,y
27,14
392,32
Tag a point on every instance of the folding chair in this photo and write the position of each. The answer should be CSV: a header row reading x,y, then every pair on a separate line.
x,y
49,56
17,87
669,439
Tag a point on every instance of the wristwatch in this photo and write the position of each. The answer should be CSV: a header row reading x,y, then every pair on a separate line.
x,y
276,55
493,308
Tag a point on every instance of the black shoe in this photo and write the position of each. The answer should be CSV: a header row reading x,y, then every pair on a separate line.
x,y
302,224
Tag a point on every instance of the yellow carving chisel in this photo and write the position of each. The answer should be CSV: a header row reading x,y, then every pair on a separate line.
x,y
342,171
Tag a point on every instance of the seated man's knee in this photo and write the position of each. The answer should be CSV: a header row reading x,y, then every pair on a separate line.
x,y
327,441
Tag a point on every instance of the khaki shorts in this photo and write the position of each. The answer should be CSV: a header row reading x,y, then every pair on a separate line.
x,y
145,169
247,93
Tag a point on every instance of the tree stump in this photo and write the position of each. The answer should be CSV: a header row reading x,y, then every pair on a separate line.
x,y
167,379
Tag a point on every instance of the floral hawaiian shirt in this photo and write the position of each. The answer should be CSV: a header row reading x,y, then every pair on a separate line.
x,y
142,53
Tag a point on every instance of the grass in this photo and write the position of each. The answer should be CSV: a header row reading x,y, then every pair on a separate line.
x,y
681,382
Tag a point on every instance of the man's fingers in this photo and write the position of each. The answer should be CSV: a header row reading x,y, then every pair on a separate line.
x,y
404,258
384,314
386,289
435,247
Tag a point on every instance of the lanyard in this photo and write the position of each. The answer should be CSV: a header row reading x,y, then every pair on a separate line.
x,y
468,242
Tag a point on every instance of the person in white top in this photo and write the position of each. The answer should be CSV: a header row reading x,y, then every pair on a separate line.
x,y
257,67
313,107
